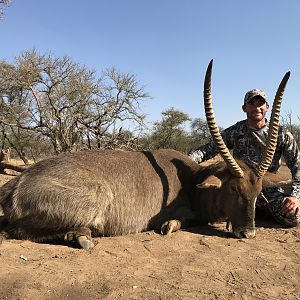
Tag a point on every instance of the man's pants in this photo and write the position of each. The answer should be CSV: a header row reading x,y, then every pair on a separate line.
x,y
275,197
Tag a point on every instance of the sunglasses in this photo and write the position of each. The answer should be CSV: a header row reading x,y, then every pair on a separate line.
x,y
256,101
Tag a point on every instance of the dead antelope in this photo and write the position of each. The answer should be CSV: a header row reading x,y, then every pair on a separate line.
x,y
87,194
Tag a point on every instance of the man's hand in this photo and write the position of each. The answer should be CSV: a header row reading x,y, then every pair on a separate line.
x,y
291,206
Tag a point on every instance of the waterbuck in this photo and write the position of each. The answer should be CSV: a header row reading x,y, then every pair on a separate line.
x,y
87,194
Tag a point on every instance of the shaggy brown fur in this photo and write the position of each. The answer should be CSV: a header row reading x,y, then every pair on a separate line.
x,y
107,193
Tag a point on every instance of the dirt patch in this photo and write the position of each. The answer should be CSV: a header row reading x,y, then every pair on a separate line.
x,y
200,263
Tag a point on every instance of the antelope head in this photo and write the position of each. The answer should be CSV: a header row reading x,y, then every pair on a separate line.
x,y
242,186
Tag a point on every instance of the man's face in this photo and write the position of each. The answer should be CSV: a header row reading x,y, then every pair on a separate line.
x,y
256,109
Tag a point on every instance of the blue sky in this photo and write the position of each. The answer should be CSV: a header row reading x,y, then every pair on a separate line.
x,y
167,44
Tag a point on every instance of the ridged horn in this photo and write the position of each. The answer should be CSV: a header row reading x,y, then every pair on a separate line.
x,y
213,127
273,129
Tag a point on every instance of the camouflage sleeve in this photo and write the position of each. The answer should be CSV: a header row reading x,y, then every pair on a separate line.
x,y
291,155
204,152
210,150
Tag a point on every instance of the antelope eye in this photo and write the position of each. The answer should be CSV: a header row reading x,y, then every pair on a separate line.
x,y
233,188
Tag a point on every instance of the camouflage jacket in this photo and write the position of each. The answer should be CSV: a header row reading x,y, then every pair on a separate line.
x,y
248,145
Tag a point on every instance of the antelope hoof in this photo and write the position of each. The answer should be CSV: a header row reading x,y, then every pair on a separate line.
x,y
170,226
248,234
84,240
85,243
69,236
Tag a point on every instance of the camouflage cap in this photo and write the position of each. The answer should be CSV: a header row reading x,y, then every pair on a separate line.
x,y
255,93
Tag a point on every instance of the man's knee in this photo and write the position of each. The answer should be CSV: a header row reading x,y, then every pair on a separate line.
x,y
291,221
273,200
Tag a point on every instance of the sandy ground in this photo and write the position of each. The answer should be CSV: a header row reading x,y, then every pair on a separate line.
x,y
200,263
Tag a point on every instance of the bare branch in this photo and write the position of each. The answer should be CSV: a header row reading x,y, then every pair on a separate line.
x,y
5,165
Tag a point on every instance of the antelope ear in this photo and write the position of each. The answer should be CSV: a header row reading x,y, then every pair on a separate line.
x,y
210,182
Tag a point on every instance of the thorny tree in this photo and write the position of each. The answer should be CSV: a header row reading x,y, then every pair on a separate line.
x,y
291,126
200,134
170,133
117,100
3,3
13,112
65,102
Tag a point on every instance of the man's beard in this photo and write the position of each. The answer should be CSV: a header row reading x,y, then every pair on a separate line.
x,y
257,118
